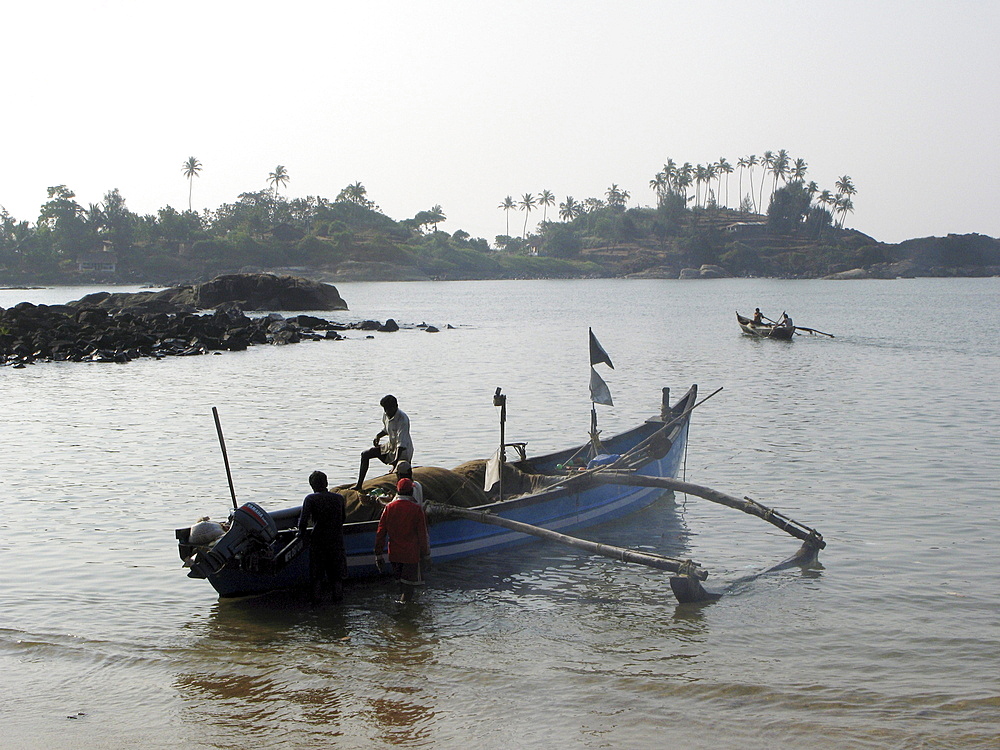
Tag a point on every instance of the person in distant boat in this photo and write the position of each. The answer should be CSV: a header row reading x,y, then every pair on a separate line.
x,y
327,558
758,317
785,321
399,446
404,524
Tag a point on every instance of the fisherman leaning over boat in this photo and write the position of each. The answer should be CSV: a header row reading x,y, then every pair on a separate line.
x,y
327,558
404,523
399,446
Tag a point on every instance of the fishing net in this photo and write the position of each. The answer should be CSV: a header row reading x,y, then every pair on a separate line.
x,y
461,486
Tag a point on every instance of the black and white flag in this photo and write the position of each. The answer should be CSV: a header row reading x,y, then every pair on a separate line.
x,y
597,353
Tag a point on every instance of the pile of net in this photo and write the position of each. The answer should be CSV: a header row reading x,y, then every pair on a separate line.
x,y
461,486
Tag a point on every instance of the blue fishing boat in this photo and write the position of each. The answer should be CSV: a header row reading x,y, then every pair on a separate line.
x,y
258,551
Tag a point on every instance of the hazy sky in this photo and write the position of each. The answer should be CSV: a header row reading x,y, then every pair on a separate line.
x,y
463,103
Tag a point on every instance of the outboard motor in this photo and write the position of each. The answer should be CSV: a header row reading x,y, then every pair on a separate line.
x,y
251,525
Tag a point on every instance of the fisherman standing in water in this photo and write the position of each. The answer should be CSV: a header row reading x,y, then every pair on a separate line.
x,y
327,558
404,524
398,447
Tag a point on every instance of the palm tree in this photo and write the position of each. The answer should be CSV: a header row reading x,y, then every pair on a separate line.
x,y
546,199
526,203
191,169
799,170
659,185
710,172
570,209
724,168
436,215
751,163
669,170
827,199
507,204
780,167
811,189
845,186
766,161
844,206
278,177
684,177
699,177
616,196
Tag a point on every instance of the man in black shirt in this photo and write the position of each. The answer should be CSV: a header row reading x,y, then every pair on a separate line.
x,y
327,559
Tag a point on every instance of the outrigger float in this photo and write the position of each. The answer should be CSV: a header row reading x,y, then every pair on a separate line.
x,y
546,496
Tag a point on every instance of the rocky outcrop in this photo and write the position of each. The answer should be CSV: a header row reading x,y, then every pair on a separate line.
x,y
853,274
31,333
705,272
251,291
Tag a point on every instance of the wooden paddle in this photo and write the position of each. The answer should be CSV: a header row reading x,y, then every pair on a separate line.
x,y
813,330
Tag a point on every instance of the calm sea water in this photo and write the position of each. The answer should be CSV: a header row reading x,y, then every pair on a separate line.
x,y
885,438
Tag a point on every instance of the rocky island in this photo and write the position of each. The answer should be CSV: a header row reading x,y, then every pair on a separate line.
x,y
105,327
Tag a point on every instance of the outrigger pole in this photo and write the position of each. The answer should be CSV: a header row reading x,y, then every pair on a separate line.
x,y
687,588
661,562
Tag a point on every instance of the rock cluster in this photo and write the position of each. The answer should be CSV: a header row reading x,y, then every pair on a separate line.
x,y
30,333
251,291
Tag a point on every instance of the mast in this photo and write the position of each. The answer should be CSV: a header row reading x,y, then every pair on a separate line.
x,y
500,400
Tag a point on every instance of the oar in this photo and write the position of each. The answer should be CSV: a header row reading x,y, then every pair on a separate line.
x,y
688,569
225,455
813,330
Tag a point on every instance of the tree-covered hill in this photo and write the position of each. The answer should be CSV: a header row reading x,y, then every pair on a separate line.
x,y
350,238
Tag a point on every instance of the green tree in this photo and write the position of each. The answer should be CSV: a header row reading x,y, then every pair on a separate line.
x,y
751,162
799,169
789,205
437,216
61,223
724,168
527,203
766,162
191,169
570,209
355,193
545,199
843,204
507,204
561,242
780,167
617,197
278,178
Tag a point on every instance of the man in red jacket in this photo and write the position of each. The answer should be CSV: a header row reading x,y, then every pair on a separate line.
x,y
404,522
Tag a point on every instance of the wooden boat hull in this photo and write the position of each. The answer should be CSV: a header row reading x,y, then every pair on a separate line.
x,y
764,330
574,502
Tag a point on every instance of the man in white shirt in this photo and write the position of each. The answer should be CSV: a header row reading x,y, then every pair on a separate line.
x,y
398,447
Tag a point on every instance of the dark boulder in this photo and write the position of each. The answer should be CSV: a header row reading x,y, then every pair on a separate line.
x,y
248,291
264,291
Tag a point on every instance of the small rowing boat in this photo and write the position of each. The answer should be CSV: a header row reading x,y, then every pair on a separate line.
x,y
765,330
